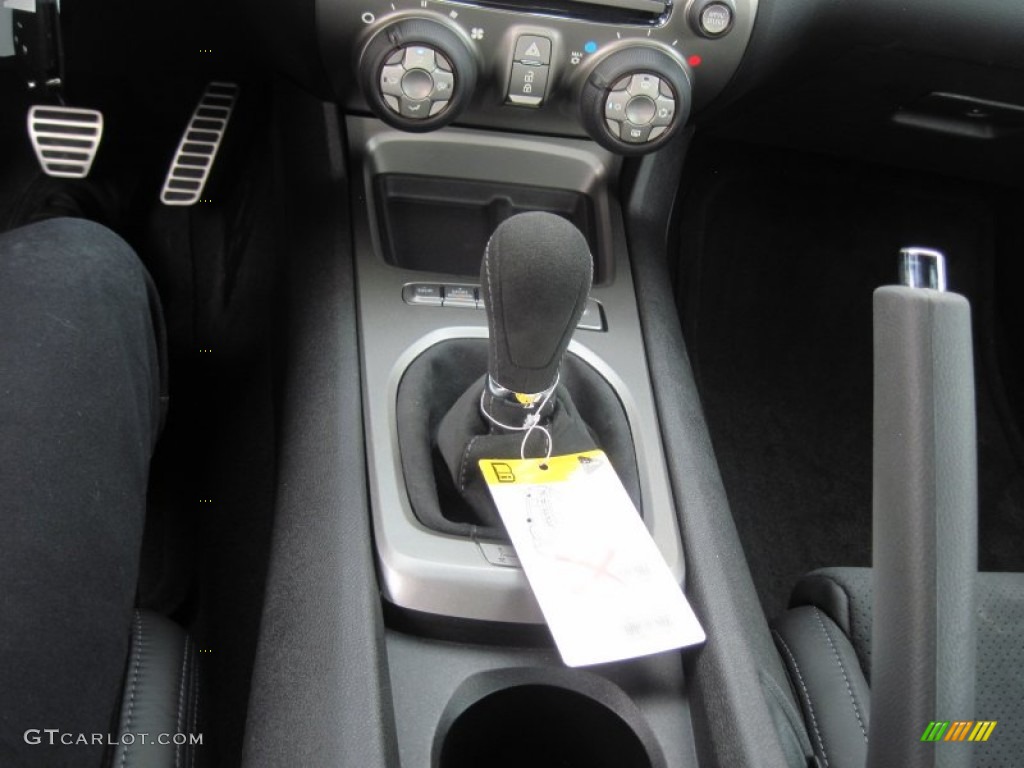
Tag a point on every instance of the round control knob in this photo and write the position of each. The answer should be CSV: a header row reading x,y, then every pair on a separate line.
x,y
417,74
635,100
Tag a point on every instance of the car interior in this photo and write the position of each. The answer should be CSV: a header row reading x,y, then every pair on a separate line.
x,y
801,349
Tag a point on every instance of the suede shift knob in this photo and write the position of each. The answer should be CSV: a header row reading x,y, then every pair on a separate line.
x,y
535,281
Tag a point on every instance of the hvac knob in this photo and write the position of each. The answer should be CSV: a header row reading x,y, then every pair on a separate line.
x,y
635,100
417,74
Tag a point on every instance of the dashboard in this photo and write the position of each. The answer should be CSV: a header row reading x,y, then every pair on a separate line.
x,y
626,73
924,83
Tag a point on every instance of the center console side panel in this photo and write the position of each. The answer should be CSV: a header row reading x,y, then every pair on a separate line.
x,y
738,727
320,694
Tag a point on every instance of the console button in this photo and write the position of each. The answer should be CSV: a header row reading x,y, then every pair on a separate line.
x,y
641,110
666,110
644,85
420,57
417,84
422,293
615,106
500,554
528,84
533,49
415,108
635,134
613,127
443,84
391,80
592,318
715,20
460,296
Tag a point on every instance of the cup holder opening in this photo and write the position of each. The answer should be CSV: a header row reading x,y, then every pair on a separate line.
x,y
541,726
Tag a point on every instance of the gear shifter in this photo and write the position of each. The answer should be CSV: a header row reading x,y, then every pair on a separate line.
x,y
535,280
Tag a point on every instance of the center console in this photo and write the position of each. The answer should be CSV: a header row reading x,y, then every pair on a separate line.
x,y
424,205
428,295
448,118
472,669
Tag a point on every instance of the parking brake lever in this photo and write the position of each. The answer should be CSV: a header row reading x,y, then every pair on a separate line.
x,y
534,280
925,496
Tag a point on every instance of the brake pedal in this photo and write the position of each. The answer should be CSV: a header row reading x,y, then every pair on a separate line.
x,y
65,139
198,147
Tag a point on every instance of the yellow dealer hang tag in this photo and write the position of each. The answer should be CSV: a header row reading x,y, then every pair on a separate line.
x,y
604,588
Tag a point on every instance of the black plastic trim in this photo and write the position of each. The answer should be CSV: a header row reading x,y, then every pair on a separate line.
x,y
320,692
734,724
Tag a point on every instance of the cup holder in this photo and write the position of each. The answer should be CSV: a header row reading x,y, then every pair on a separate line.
x,y
545,726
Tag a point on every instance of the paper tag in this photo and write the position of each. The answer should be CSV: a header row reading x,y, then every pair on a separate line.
x,y
604,588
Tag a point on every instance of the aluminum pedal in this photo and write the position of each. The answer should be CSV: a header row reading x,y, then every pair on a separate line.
x,y
198,147
65,139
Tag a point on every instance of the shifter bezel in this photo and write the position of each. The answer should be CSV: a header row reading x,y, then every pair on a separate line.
x,y
420,569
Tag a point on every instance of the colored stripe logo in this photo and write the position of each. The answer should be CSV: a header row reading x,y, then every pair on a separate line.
x,y
959,730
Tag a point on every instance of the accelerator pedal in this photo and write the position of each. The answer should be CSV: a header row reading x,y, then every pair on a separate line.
x,y
198,147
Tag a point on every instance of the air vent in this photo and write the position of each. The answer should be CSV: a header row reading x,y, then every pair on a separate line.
x,y
644,12
65,139
198,147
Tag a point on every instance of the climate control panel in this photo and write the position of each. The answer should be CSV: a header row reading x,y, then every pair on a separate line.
x,y
629,76
417,73
417,82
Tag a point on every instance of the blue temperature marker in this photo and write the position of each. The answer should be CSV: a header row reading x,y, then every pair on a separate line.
x,y
590,46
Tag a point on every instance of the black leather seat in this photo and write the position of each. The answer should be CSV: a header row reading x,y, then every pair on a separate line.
x,y
825,640
160,697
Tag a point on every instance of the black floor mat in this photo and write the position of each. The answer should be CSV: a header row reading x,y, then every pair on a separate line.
x,y
781,253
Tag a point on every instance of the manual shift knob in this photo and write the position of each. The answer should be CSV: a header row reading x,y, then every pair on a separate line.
x,y
535,280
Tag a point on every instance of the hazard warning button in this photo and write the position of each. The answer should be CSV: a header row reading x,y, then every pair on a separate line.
x,y
533,49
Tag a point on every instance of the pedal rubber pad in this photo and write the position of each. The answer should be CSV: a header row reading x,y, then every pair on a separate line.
x,y
65,139
198,147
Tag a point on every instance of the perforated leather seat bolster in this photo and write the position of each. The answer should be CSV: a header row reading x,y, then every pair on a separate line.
x,y
825,641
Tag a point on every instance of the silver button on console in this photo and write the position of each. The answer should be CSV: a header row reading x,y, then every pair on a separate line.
x,y
716,19
417,84
420,57
641,110
528,85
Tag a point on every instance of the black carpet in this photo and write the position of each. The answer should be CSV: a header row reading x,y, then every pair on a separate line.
x,y
780,254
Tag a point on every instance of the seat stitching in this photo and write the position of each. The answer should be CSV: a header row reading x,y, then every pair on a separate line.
x,y
135,679
493,308
465,461
842,669
195,711
806,696
180,722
